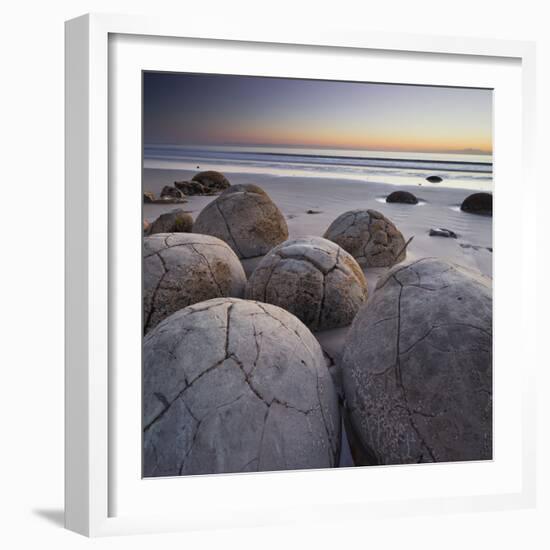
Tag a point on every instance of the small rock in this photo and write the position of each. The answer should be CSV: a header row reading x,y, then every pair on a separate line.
x,y
146,226
313,211
478,203
148,197
171,192
177,221
403,197
434,179
442,232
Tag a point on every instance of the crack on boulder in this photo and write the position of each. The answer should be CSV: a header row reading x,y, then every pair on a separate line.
x,y
399,379
180,394
269,278
228,229
153,305
204,258
194,309
292,331
393,274
332,443
260,447
195,434
432,289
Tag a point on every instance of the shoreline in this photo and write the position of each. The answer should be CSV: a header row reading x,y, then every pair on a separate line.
x,y
330,197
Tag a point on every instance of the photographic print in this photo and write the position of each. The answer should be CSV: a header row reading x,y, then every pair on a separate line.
x,y
317,274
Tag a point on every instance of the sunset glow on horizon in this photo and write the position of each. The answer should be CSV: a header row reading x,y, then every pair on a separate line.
x,y
225,110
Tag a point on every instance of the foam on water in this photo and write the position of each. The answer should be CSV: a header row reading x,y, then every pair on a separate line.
x,y
410,169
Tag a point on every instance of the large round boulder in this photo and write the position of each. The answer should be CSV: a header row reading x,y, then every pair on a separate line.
x,y
314,279
236,386
370,237
212,181
478,203
245,218
177,221
180,269
403,197
417,366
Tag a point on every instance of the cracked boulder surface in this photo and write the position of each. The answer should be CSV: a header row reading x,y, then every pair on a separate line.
x,y
234,385
176,221
245,217
370,237
180,269
314,279
417,366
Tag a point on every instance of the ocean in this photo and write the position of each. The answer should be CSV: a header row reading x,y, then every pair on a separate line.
x,y
465,171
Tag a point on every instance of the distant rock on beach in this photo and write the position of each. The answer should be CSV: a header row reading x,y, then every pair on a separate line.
x,y
171,192
442,232
417,366
314,279
236,386
204,183
404,197
434,179
370,237
180,269
177,221
478,203
168,198
245,217
211,178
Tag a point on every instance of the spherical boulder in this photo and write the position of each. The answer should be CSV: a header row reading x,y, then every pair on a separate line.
x,y
246,219
180,269
417,366
403,197
478,203
236,386
177,221
370,237
314,279
212,181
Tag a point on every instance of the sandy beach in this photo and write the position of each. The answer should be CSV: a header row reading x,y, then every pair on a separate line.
x,y
438,207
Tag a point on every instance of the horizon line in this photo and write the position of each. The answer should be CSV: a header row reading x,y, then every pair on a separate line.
x,y
465,151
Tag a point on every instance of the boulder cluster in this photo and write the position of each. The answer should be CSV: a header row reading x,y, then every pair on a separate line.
x,y
234,379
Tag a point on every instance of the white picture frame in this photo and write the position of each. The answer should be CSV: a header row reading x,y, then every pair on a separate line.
x,y
95,406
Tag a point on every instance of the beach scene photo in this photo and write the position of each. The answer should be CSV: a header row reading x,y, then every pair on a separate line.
x,y
317,274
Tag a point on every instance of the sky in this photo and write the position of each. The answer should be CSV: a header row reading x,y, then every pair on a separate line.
x,y
230,110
